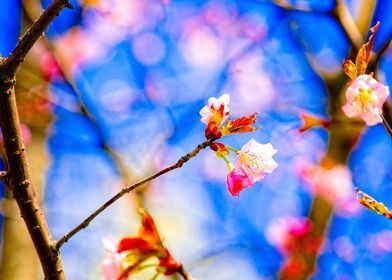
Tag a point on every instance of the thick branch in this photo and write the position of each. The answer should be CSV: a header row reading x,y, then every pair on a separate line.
x,y
19,182
130,188
301,262
18,178
33,33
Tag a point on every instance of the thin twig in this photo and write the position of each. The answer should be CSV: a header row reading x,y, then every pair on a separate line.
x,y
118,163
130,188
185,274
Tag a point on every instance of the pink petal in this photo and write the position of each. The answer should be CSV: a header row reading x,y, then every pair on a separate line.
x,y
237,181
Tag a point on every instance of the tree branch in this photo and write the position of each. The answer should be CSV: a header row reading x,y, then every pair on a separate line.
x,y
348,24
130,188
18,178
374,61
33,33
19,182
342,137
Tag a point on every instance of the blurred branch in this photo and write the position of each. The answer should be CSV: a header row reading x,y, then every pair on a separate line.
x,y
364,15
373,63
31,10
387,114
132,187
283,4
33,33
185,274
348,24
341,14
386,125
301,262
342,138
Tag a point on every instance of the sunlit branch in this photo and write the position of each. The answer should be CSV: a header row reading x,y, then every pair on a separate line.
x,y
132,187
27,41
18,171
286,6
348,24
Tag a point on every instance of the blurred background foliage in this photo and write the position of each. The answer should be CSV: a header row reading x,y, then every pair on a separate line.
x,y
112,94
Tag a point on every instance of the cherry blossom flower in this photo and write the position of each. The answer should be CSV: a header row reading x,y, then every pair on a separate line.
x,y
216,111
364,99
237,181
252,162
255,159
111,266
127,255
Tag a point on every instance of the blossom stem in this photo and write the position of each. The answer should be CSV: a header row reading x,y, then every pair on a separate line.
x,y
386,125
232,149
132,187
18,178
226,160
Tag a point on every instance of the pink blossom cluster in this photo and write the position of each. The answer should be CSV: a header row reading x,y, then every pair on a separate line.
x,y
333,182
127,256
253,161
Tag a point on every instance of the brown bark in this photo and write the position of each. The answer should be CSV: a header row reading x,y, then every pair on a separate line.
x,y
18,178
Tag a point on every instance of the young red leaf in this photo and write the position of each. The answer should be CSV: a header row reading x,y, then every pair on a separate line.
x,y
310,121
136,243
240,125
365,51
350,69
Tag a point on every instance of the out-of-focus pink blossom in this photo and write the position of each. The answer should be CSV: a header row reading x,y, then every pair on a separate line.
x,y
25,132
111,266
128,255
334,184
281,232
379,242
364,99
216,111
237,181
255,159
